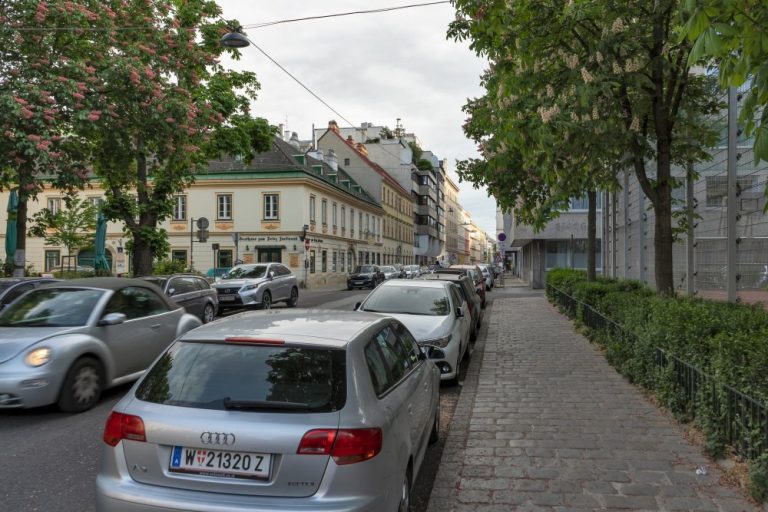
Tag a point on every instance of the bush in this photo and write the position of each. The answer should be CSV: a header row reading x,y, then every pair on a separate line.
x,y
164,267
758,476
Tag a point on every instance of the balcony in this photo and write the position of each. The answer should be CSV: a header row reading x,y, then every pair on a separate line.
x,y
422,229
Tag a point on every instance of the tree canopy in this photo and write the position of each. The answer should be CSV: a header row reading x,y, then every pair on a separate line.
x,y
577,91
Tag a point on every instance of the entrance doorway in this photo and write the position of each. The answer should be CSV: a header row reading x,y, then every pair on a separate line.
x,y
270,255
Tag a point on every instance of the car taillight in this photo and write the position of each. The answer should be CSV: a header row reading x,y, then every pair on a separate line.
x,y
317,442
346,446
123,426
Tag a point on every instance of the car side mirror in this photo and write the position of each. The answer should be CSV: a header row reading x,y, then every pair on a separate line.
x,y
422,354
113,319
357,306
272,275
459,313
171,292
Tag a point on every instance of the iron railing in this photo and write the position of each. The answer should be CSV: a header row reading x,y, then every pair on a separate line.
x,y
741,421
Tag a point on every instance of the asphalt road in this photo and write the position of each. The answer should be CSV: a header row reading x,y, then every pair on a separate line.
x,y
49,459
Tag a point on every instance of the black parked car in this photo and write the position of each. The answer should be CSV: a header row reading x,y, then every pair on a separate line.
x,y
11,288
365,276
190,291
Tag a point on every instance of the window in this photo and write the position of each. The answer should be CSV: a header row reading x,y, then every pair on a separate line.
x,y
335,215
182,285
583,202
717,188
135,302
179,255
367,223
179,207
341,260
324,261
96,201
224,258
352,219
377,369
52,259
224,210
580,254
360,219
395,356
343,216
312,261
557,254
311,208
333,261
54,205
324,211
271,206
346,162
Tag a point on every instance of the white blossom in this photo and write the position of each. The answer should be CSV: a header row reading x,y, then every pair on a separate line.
x,y
635,126
599,57
618,26
586,76
616,68
550,91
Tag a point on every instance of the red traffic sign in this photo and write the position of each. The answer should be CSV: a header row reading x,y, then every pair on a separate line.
x,y
306,244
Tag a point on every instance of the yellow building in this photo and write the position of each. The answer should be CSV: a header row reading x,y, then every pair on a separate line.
x,y
255,212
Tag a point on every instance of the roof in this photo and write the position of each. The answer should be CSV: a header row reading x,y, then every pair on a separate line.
x,y
373,165
281,159
414,283
331,328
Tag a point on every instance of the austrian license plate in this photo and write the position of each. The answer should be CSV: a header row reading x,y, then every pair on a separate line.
x,y
227,298
202,461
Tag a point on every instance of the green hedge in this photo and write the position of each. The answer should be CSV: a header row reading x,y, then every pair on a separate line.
x,y
728,342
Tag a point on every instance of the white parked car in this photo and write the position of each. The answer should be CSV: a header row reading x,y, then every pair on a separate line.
x,y
436,314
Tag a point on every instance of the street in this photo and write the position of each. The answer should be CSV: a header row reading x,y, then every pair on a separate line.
x,y
51,457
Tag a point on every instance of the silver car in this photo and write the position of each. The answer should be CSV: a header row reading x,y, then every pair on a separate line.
x,y
257,284
66,342
279,410
390,272
434,311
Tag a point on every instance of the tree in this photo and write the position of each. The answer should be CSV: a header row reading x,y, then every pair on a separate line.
x,y
42,79
165,106
71,226
733,33
602,68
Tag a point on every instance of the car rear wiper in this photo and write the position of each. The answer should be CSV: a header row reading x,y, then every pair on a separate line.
x,y
256,405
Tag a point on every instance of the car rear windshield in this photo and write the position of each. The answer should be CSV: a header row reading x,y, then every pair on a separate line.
x,y
245,376
414,300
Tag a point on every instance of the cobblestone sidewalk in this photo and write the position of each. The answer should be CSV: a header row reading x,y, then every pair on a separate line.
x,y
545,423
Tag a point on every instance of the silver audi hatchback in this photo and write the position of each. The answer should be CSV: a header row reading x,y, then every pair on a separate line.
x,y
291,410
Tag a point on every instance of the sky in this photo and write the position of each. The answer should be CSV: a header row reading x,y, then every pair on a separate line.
x,y
370,68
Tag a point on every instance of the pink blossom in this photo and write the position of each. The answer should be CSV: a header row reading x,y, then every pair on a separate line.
x,y
43,146
28,186
90,70
34,138
93,117
51,100
191,148
134,77
78,96
148,71
26,114
20,160
20,101
56,138
62,78
8,134
170,120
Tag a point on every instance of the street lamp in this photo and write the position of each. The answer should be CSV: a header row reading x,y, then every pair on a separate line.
x,y
235,39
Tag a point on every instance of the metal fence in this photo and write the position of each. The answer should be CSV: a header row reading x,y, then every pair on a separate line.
x,y
741,421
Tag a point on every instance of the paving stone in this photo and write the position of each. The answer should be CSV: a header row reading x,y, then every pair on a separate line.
x,y
543,422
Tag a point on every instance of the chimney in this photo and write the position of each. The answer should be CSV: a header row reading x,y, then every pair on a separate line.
x,y
294,140
333,125
361,148
331,160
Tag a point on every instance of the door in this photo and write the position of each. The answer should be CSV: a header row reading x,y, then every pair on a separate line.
x,y
270,255
465,322
424,399
149,327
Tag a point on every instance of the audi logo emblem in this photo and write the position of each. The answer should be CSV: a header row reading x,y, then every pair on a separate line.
x,y
217,438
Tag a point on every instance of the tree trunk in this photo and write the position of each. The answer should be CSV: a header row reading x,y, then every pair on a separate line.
x,y
141,256
663,239
21,237
591,235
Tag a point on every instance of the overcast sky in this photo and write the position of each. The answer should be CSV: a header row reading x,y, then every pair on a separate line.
x,y
369,68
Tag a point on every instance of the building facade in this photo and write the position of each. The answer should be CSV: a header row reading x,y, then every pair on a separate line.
x,y
398,219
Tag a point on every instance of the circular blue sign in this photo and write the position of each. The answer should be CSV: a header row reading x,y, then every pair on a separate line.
x,y
502,237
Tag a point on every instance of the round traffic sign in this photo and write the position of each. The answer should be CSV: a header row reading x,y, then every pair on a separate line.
x,y
202,223
306,244
502,237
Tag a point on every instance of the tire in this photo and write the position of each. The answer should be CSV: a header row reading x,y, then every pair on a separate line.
x,y
405,492
349,287
474,333
294,298
266,301
434,436
82,386
209,313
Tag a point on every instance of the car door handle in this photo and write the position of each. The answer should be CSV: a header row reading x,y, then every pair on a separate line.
x,y
410,409
155,326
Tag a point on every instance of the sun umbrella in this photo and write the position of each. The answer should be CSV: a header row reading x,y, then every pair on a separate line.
x,y
10,229
101,262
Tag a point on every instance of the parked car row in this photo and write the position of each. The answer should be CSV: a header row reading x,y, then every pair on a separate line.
x,y
345,402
